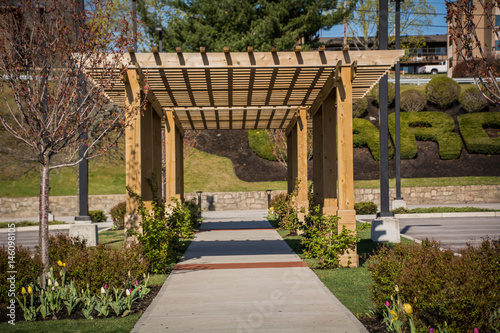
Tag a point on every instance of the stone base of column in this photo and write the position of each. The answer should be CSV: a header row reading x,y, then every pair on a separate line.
x,y
132,221
398,203
86,232
385,229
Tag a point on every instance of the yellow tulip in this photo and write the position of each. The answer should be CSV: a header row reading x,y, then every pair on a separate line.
x,y
394,314
64,264
23,291
30,291
407,308
59,262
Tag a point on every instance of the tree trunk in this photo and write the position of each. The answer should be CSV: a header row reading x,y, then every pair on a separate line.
x,y
43,241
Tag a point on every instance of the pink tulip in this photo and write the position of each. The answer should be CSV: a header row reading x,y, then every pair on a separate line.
x,y
136,282
431,330
387,303
476,330
105,286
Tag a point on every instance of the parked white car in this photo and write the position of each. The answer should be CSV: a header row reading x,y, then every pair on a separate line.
x,y
442,67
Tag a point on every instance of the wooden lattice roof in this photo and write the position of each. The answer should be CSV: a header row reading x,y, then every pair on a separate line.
x,y
248,90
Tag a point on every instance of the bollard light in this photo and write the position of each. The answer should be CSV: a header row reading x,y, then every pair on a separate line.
x,y
268,198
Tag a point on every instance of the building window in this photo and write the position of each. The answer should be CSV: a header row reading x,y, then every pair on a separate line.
x,y
497,20
497,45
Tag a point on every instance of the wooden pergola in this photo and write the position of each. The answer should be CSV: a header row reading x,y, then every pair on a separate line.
x,y
251,90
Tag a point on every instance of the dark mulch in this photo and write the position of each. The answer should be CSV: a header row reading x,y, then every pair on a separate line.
x,y
249,167
138,307
373,324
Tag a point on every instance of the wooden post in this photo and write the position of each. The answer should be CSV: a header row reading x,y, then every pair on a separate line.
x,y
346,210
330,205
318,157
297,158
132,152
174,172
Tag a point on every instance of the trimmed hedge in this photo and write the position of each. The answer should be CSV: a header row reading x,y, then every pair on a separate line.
x,y
359,108
259,143
365,134
365,208
374,93
472,100
476,140
442,91
427,126
461,291
118,215
97,216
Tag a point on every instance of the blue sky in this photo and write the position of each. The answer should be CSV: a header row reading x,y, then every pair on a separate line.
x,y
438,25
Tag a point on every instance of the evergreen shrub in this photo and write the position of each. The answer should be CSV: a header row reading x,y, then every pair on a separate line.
x,y
97,216
442,91
472,100
359,108
365,134
260,145
427,126
413,100
365,208
374,93
118,215
472,128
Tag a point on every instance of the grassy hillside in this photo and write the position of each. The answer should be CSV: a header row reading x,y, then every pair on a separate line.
x,y
203,172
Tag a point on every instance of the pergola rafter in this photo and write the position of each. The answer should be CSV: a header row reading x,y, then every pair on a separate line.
x,y
252,90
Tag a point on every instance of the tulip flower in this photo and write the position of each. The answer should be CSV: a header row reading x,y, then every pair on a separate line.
x,y
476,330
105,286
23,291
56,283
431,330
387,303
59,262
407,308
397,288
127,292
103,291
30,291
136,282
49,283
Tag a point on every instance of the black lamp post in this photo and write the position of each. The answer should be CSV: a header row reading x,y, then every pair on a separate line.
x,y
198,193
397,139
160,30
384,124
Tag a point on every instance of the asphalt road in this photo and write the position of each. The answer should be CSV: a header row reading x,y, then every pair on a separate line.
x,y
452,232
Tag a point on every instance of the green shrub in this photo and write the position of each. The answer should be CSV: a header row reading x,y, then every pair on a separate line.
x,y
162,229
472,128
259,143
365,134
99,265
472,100
97,216
427,126
359,108
462,291
278,203
323,240
365,208
442,91
27,265
118,215
413,100
374,93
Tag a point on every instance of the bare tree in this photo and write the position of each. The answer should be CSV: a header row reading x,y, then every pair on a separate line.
x,y
464,17
50,49
277,140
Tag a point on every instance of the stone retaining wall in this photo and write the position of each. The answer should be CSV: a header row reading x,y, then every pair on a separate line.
x,y
67,205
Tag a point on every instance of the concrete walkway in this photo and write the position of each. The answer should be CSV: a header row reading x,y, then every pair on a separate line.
x,y
239,275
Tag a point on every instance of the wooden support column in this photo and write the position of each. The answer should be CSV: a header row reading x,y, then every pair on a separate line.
x,y
297,158
318,157
134,177
174,166
329,127
346,210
